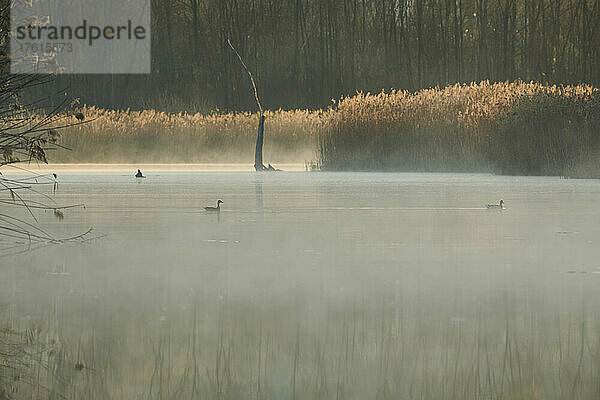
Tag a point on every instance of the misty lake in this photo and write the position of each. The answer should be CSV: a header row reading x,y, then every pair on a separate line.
x,y
315,285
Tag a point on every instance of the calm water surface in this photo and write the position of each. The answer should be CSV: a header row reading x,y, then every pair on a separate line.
x,y
317,285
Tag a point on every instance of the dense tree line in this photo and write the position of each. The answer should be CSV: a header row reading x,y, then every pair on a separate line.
x,y
306,52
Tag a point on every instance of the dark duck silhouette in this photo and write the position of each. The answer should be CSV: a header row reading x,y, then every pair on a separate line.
x,y
217,208
139,174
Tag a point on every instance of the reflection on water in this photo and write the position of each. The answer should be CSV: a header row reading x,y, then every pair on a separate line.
x,y
317,285
258,189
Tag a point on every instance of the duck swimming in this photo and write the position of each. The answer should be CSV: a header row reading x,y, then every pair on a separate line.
x,y
217,208
139,174
496,206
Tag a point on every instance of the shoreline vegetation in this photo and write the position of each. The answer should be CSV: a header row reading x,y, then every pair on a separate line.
x,y
150,137
505,128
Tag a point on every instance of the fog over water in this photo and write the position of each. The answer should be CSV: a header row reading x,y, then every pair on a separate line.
x,y
316,285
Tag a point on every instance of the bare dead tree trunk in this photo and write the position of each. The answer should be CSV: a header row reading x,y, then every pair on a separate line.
x,y
258,158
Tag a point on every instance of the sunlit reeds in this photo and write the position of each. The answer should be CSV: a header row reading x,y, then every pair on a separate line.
x,y
509,128
154,136
514,128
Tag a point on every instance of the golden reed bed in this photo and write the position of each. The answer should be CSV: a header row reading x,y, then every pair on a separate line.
x,y
151,136
512,128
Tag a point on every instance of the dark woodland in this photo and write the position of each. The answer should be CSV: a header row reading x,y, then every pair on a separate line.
x,y
303,53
